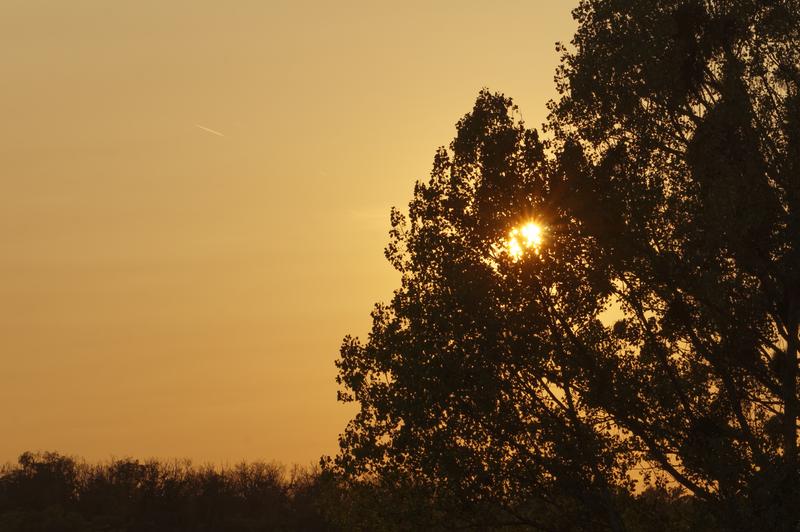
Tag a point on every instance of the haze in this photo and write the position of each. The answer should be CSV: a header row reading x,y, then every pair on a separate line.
x,y
195,200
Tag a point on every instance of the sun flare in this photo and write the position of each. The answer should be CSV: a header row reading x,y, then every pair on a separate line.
x,y
528,236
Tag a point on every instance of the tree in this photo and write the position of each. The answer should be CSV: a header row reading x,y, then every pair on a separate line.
x,y
468,380
684,118
668,192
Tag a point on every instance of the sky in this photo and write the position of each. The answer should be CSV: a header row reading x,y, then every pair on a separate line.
x,y
195,199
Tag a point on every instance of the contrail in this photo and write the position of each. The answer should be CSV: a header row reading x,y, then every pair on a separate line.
x,y
204,128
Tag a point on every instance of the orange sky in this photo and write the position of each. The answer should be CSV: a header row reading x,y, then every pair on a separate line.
x,y
169,291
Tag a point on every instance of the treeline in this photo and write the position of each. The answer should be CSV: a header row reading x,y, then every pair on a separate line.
x,y
50,492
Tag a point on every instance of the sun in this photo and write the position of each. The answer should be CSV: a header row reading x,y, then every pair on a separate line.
x,y
528,236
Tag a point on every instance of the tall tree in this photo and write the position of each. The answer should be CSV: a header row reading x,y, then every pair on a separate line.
x,y
668,192
471,378
685,117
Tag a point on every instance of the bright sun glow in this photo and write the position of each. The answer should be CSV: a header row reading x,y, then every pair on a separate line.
x,y
529,236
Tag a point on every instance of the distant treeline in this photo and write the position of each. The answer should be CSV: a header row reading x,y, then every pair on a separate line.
x,y
52,492
56,493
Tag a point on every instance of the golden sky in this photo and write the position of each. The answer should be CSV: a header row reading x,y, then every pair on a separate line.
x,y
195,200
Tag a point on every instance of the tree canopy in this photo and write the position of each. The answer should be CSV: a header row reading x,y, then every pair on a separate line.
x,y
649,339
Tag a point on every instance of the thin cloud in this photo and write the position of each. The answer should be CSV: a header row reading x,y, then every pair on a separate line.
x,y
209,130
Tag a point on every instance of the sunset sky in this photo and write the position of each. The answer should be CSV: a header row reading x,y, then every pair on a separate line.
x,y
195,200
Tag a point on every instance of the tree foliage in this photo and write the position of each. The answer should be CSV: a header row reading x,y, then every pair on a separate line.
x,y
668,185
49,492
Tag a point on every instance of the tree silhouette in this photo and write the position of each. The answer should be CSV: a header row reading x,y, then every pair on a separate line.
x,y
463,381
668,191
687,120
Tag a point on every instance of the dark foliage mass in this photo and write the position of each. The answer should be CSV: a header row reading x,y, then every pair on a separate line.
x,y
647,350
49,492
